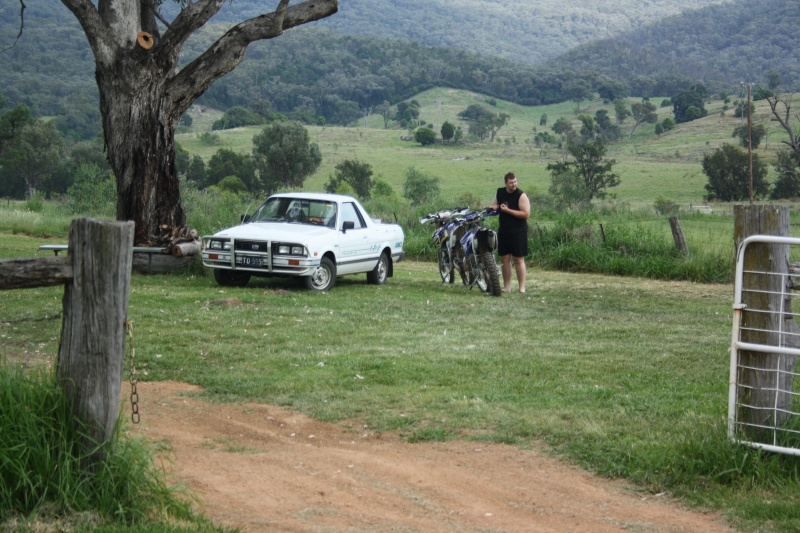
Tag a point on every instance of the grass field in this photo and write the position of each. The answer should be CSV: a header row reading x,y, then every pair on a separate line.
x,y
625,377
649,165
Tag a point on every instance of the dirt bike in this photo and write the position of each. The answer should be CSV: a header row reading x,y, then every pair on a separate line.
x,y
474,258
446,237
463,243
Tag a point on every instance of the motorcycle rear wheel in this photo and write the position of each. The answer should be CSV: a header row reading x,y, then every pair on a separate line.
x,y
490,275
445,266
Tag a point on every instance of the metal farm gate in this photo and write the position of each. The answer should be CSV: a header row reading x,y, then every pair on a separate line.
x,y
764,396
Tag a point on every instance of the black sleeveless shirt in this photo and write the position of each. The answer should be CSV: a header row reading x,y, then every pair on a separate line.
x,y
508,223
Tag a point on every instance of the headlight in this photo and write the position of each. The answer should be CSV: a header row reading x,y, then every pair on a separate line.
x,y
215,245
290,249
219,245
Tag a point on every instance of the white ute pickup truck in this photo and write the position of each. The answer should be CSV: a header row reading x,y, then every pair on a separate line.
x,y
314,236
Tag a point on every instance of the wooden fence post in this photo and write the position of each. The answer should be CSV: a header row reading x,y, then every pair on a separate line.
x,y
677,235
758,371
92,348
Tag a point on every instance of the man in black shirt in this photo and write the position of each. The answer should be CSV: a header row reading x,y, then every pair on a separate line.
x,y
514,209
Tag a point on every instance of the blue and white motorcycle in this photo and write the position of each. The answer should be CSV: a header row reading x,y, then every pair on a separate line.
x,y
446,237
474,258
463,243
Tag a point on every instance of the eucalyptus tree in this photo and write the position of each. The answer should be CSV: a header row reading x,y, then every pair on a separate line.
x,y
144,90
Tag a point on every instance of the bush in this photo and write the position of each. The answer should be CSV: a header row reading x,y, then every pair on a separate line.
x,y
211,210
35,203
665,206
93,193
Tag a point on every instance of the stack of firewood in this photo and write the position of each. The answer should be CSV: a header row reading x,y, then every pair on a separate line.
x,y
180,242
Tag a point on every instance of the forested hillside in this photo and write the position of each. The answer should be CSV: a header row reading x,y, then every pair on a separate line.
x,y
741,41
315,73
525,31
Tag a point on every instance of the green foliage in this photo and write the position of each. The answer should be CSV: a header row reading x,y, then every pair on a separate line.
x,y
11,124
612,90
232,184
226,162
668,124
469,199
757,134
584,178
285,155
419,187
665,206
210,139
575,243
740,111
93,192
448,131
196,171
31,158
482,122
688,106
643,112
407,111
212,209
356,174
382,188
425,136
236,117
787,185
41,443
621,111
728,171
35,203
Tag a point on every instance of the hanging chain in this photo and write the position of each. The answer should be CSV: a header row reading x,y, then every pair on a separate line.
x,y
132,377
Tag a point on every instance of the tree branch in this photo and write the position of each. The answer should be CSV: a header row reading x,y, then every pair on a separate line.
x,y
92,24
22,8
228,51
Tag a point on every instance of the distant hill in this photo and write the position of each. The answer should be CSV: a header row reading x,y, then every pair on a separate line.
x,y
338,68
525,31
718,45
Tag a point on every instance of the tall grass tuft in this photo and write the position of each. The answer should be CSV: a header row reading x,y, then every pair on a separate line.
x,y
41,457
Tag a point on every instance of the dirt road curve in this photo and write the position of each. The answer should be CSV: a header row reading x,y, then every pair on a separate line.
x,y
263,468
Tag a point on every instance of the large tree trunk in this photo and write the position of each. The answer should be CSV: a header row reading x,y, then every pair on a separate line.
x,y
140,138
143,94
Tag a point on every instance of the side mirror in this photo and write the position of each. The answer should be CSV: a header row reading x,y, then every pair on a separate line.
x,y
245,219
348,224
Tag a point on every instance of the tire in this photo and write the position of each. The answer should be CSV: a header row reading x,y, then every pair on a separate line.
x,y
490,275
379,274
231,278
323,278
481,279
445,266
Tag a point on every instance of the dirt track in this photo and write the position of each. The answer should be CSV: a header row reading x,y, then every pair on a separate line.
x,y
263,468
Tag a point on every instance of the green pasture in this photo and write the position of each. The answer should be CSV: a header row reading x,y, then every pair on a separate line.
x,y
625,377
649,166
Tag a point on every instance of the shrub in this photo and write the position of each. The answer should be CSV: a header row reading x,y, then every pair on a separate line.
x,y
93,192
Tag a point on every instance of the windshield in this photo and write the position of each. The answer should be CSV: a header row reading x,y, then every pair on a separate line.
x,y
296,210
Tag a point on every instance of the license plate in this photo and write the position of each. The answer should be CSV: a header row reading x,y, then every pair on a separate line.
x,y
252,261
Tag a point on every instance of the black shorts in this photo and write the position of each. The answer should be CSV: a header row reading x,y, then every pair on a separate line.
x,y
515,244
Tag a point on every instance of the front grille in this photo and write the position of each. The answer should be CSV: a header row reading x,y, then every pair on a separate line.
x,y
252,246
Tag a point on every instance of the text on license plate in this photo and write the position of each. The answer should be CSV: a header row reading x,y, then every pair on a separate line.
x,y
252,261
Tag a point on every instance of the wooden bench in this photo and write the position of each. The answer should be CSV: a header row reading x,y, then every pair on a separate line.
x,y
55,248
